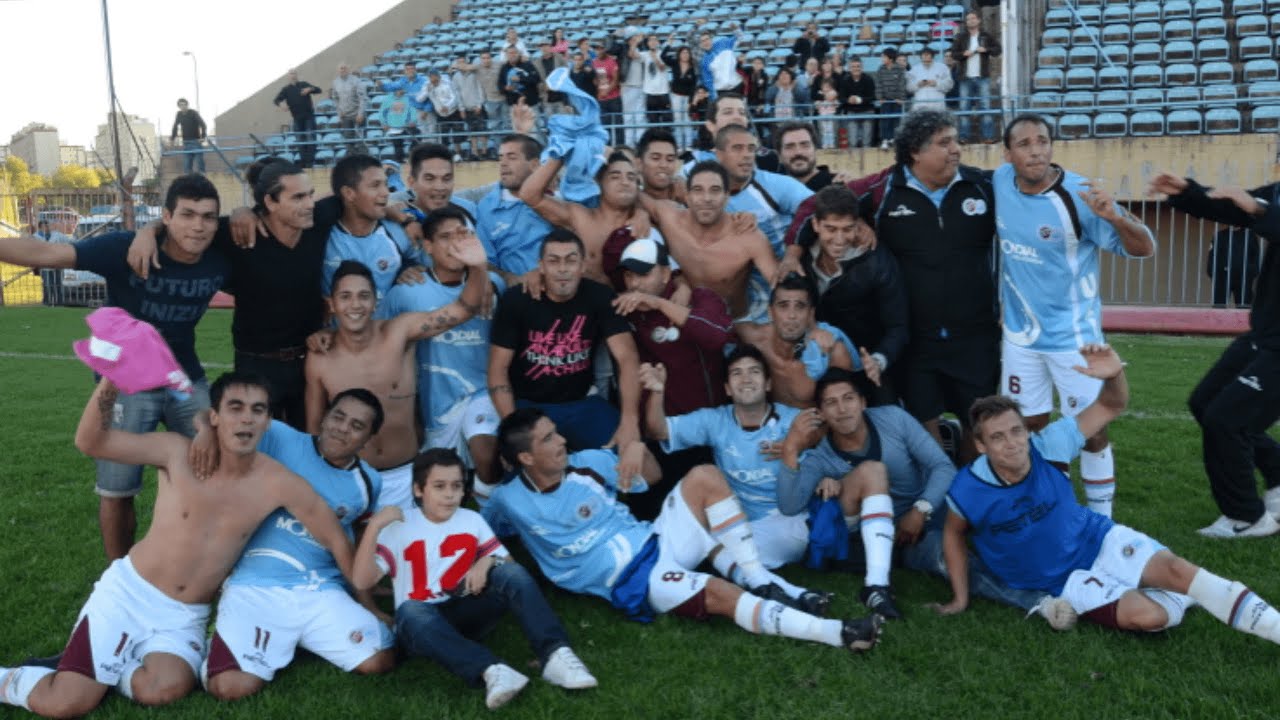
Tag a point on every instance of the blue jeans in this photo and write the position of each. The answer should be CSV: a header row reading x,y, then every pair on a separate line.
x,y
926,556
192,157
443,631
497,120
305,129
142,413
975,94
586,424
858,132
889,125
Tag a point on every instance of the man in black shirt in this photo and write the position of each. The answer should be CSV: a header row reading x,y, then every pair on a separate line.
x,y
798,154
518,78
296,98
1239,398
811,45
188,120
543,351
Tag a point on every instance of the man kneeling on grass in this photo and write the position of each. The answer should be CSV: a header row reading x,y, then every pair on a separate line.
x,y
1030,531
453,580
564,510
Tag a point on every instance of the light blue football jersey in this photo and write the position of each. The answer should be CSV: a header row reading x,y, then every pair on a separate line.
x,y
580,536
753,478
384,252
453,365
1049,246
281,553
774,199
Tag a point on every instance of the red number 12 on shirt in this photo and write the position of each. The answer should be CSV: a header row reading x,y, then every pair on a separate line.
x,y
462,547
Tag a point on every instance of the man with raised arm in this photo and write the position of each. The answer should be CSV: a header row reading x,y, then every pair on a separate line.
x,y
379,355
1021,513
143,629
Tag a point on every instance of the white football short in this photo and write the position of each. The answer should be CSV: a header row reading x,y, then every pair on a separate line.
x,y
682,544
397,488
1031,376
259,628
469,417
127,618
1118,569
782,539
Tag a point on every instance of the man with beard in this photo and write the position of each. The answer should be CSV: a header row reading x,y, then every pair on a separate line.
x,y
725,110
797,149
377,355
774,199
511,231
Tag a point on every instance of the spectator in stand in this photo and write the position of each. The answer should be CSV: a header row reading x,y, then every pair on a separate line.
x,y
585,47
797,150
784,99
397,121
825,72
513,40
471,101
519,81
547,62
608,92
296,98
974,50
808,79
560,44
891,95
581,72
444,102
189,122
349,96
928,83
826,107
656,83
497,118
866,34
990,14
757,90
811,44
858,92
684,82
953,95
631,77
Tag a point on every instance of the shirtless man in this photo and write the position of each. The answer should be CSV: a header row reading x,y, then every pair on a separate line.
x,y
658,160
715,249
619,190
378,355
143,628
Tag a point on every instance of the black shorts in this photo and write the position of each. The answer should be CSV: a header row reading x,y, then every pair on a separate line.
x,y
940,376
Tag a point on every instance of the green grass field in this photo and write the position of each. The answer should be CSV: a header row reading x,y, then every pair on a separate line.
x,y
987,663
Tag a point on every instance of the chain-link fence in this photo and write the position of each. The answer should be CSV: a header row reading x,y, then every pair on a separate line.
x,y
65,216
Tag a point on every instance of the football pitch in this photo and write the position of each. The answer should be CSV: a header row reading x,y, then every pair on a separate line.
x,y
986,663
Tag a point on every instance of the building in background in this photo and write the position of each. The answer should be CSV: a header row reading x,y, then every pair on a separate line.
x,y
37,144
139,147
74,155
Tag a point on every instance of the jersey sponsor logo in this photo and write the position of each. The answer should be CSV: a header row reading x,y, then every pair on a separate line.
x,y
460,337
292,526
1251,381
752,477
974,206
1028,514
901,211
1018,251
578,546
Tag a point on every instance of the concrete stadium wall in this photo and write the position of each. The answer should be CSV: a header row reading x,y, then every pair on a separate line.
x,y
255,114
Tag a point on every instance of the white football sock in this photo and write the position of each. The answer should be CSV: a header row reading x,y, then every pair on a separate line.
x,y
877,537
728,524
1236,605
16,684
766,617
1098,471
1175,604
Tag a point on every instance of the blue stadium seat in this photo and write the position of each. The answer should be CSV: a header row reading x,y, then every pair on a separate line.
x,y
779,55
373,134
928,13
1261,71
1180,74
1180,29
1113,76
1264,93
1265,119
1074,126
850,15
1083,56
1145,97
1213,73
1112,99
1184,122
1221,121
1120,32
1089,15
779,21
1117,13
902,14
1246,7
1084,35
893,33
875,15
1213,49
1176,9
768,39
1045,102
1251,25
754,24
826,18
1179,51
1211,27
952,12
841,34
1146,11
918,31
1220,95
1255,47
1081,79
1048,79
1060,37
802,18
1183,96
789,36
1148,52
1207,8
1146,76
1117,54
912,50
1110,124
1147,32
1051,57
1059,18
1079,100
1147,123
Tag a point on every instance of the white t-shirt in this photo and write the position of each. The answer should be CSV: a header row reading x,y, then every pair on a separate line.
x,y
425,559
973,63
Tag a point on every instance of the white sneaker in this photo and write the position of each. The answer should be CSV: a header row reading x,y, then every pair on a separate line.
x,y
884,144
501,683
565,670
1272,499
1225,527
1057,612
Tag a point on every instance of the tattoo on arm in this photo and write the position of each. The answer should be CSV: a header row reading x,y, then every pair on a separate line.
x,y
440,322
106,405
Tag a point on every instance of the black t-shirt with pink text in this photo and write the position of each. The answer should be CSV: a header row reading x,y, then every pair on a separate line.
x,y
554,342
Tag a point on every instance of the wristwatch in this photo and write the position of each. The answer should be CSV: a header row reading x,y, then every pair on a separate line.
x,y
924,507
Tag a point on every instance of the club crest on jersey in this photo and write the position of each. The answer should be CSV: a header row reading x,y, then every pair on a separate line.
x,y
1072,401
341,511
974,206
383,264
1048,233
584,511
356,637
1127,551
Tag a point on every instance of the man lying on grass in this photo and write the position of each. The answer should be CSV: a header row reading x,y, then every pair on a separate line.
x,y
1028,528
143,628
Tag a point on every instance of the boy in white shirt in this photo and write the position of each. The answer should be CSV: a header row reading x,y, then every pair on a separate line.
x,y
453,580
